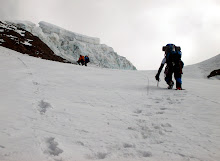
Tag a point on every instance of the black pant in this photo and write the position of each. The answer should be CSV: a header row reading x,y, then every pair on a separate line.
x,y
86,63
169,71
80,61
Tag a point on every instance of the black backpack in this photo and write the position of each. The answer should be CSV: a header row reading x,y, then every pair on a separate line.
x,y
172,53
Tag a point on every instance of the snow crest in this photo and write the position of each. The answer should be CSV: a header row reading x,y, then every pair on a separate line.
x,y
70,45
203,69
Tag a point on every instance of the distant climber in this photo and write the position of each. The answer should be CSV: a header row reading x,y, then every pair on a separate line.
x,y
81,60
174,65
86,60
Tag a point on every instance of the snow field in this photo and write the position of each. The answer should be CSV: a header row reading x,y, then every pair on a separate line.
x,y
61,112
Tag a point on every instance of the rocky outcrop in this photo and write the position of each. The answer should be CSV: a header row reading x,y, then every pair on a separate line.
x,y
20,40
214,73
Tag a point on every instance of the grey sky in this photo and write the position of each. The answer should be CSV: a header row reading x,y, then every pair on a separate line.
x,y
136,29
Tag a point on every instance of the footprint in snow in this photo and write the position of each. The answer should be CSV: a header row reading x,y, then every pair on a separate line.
x,y
80,143
127,145
145,154
158,100
131,128
52,147
137,111
163,108
36,83
43,106
97,156
166,125
160,112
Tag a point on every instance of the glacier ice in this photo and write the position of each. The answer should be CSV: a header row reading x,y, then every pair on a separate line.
x,y
69,45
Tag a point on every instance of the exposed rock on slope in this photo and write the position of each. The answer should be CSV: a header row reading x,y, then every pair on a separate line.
x,y
214,73
20,40
202,69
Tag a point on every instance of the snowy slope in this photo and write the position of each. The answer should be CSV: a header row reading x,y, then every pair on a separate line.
x,y
70,45
203,69
51,111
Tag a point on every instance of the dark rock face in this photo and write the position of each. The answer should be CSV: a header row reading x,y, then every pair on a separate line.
x,y
214,73
24,42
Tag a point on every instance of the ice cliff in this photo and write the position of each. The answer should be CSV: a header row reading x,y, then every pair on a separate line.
x,y
70,45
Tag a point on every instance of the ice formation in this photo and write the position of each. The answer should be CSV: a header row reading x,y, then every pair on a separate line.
x,y
70,45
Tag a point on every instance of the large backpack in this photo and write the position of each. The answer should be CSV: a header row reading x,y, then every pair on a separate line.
x,y
172,53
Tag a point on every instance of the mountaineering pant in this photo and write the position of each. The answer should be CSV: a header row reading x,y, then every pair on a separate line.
x,y
80,61
177,75
86,63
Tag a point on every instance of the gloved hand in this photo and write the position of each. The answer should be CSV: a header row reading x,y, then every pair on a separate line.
x,y
157,77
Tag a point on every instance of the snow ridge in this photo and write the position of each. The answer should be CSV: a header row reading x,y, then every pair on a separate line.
x,y
202,69
70,45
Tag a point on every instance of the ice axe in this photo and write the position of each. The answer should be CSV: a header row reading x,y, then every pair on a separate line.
x,y
158,79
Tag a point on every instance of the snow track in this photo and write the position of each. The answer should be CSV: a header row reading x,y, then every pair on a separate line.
x,y
54,112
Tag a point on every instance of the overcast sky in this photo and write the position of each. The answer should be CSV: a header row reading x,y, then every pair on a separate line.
x,y
136,29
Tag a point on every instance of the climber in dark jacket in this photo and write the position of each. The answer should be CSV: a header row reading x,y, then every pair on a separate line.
x,y
174,66
86,60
